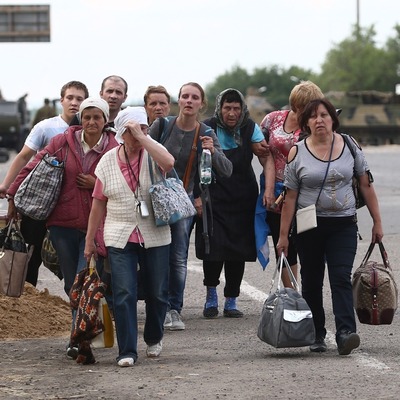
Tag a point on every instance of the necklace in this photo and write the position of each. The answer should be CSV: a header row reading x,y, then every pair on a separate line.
x,y
318,154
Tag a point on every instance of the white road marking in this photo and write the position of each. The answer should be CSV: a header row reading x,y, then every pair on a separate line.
x,y
258,295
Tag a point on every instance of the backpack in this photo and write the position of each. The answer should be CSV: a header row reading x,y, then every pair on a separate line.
x,y
360,201
166,125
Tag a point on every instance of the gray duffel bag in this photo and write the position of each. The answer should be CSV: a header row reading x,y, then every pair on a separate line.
x,y
286,319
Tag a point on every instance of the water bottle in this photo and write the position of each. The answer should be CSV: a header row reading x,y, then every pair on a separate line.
x,y
205,167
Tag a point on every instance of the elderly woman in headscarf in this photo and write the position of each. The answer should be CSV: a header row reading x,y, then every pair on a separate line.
x,y
121,194
81,147
233,201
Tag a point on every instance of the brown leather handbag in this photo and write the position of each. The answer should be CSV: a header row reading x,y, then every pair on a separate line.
x,y
14,258
374,290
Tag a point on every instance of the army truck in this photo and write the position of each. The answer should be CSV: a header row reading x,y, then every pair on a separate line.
x,y
13,126
372,117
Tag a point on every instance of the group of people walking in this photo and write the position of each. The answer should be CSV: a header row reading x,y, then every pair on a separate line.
x,y
109,151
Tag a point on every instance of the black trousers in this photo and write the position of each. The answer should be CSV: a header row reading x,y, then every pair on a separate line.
x,y
234,271
33,232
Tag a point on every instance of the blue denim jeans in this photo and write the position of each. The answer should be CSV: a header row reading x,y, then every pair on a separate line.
x,y
333,242
154,274
69,244
178,257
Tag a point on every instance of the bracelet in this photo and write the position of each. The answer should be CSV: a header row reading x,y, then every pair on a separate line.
x,y
8,197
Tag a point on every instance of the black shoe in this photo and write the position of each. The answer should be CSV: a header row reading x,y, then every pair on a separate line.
x,y
72,352
319,346
346,342
233,313
210,312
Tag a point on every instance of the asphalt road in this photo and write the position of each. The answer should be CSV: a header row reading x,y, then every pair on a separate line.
x,y
223,358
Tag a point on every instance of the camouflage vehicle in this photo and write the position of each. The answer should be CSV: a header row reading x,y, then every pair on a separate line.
x,y
372,117
12,129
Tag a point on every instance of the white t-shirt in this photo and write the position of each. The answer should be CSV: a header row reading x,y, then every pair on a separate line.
x,y
45,130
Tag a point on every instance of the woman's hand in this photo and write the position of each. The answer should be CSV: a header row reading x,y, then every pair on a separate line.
x,y
207,142
282,246
134,128
269,199
377,232
90,249
85,181
198,205
12,212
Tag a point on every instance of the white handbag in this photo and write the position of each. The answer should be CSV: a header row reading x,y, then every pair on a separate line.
x,y
306,218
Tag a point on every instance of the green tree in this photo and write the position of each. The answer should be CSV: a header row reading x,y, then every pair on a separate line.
x,y
237,78
393,53
274,83
357,64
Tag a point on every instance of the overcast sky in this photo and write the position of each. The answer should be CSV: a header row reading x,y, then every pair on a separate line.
x,y
170,42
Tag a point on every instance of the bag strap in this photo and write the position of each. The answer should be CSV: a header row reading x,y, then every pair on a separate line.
x,y
159,173
326,174
383,254
12,223
351,147
279,266
188,170
327,169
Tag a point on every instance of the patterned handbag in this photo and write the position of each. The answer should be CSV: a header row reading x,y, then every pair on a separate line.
x,y
50,257
169,199
38,194
375,290
85,295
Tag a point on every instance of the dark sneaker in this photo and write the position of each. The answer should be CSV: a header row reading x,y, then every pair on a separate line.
x,y
233,313
346,342
319,346
210,312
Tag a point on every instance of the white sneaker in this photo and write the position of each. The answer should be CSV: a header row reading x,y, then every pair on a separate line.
x,y
167,321
126,362
154,350
176,321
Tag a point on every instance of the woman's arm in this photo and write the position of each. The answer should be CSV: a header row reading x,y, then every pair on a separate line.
x,y
269,175
222,166
371,200
287,215
97,213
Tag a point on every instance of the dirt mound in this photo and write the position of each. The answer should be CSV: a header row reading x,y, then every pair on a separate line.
x,y
35,314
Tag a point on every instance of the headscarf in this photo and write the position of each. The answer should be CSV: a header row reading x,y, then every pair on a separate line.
x,y
137,114
96,102
244,116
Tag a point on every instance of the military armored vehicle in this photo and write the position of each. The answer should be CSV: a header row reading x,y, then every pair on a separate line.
x,y
13,126
371,117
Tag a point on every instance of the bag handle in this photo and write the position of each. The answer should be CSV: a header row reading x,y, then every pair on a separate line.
x,y
279,266
383,254
12,223
159,173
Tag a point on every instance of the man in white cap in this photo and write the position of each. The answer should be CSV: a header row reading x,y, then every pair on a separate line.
x,y
72,95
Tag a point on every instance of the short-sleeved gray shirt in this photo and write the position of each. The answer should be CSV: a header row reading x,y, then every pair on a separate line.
x,y
305,174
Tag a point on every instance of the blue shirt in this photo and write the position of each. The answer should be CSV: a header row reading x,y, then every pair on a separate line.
x,y
227,141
